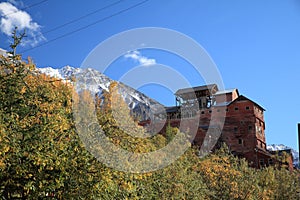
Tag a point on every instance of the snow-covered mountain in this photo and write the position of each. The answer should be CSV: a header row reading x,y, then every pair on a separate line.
x,y
276,147
140,105
3,52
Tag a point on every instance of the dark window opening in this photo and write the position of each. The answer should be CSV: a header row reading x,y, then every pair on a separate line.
x,y
240,141
270,161
236,108
261,162
235,129
247,108
202,112
249,128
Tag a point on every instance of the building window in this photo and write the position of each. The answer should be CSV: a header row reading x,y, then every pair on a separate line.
x,y
250,128
261,162
235,129
247,108
240,141
202,112
236,108
209,111
258,129
270,161
262,124
227,110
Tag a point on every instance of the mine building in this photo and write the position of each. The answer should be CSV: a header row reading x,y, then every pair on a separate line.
x,y
282,158
242,128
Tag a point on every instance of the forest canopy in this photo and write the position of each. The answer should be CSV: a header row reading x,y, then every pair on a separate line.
x,y
41,154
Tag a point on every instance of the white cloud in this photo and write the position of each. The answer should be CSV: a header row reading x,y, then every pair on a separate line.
x,y
142,60
12,17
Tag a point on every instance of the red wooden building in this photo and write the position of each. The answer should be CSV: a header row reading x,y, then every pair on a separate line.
x,y
230,117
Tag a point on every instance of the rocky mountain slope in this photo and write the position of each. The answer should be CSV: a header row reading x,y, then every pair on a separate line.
x,y
138,103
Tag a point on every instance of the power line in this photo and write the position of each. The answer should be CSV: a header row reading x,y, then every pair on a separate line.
x,y
82,17
87,26
35,4
26,7
76,19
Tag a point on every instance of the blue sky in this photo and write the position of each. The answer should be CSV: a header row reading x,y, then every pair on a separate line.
x,y
255,45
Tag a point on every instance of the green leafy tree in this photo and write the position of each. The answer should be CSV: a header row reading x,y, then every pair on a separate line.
x,y
277,183
115,119
41,154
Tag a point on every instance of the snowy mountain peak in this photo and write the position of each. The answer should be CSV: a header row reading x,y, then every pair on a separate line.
x,y
4,53
62,73
51,72
93,80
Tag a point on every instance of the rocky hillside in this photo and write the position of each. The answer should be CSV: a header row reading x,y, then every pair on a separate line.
x,y
139,104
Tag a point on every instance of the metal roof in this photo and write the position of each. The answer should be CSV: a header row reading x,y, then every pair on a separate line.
x,y
227,91
288,151
242,97
222,103
198,88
